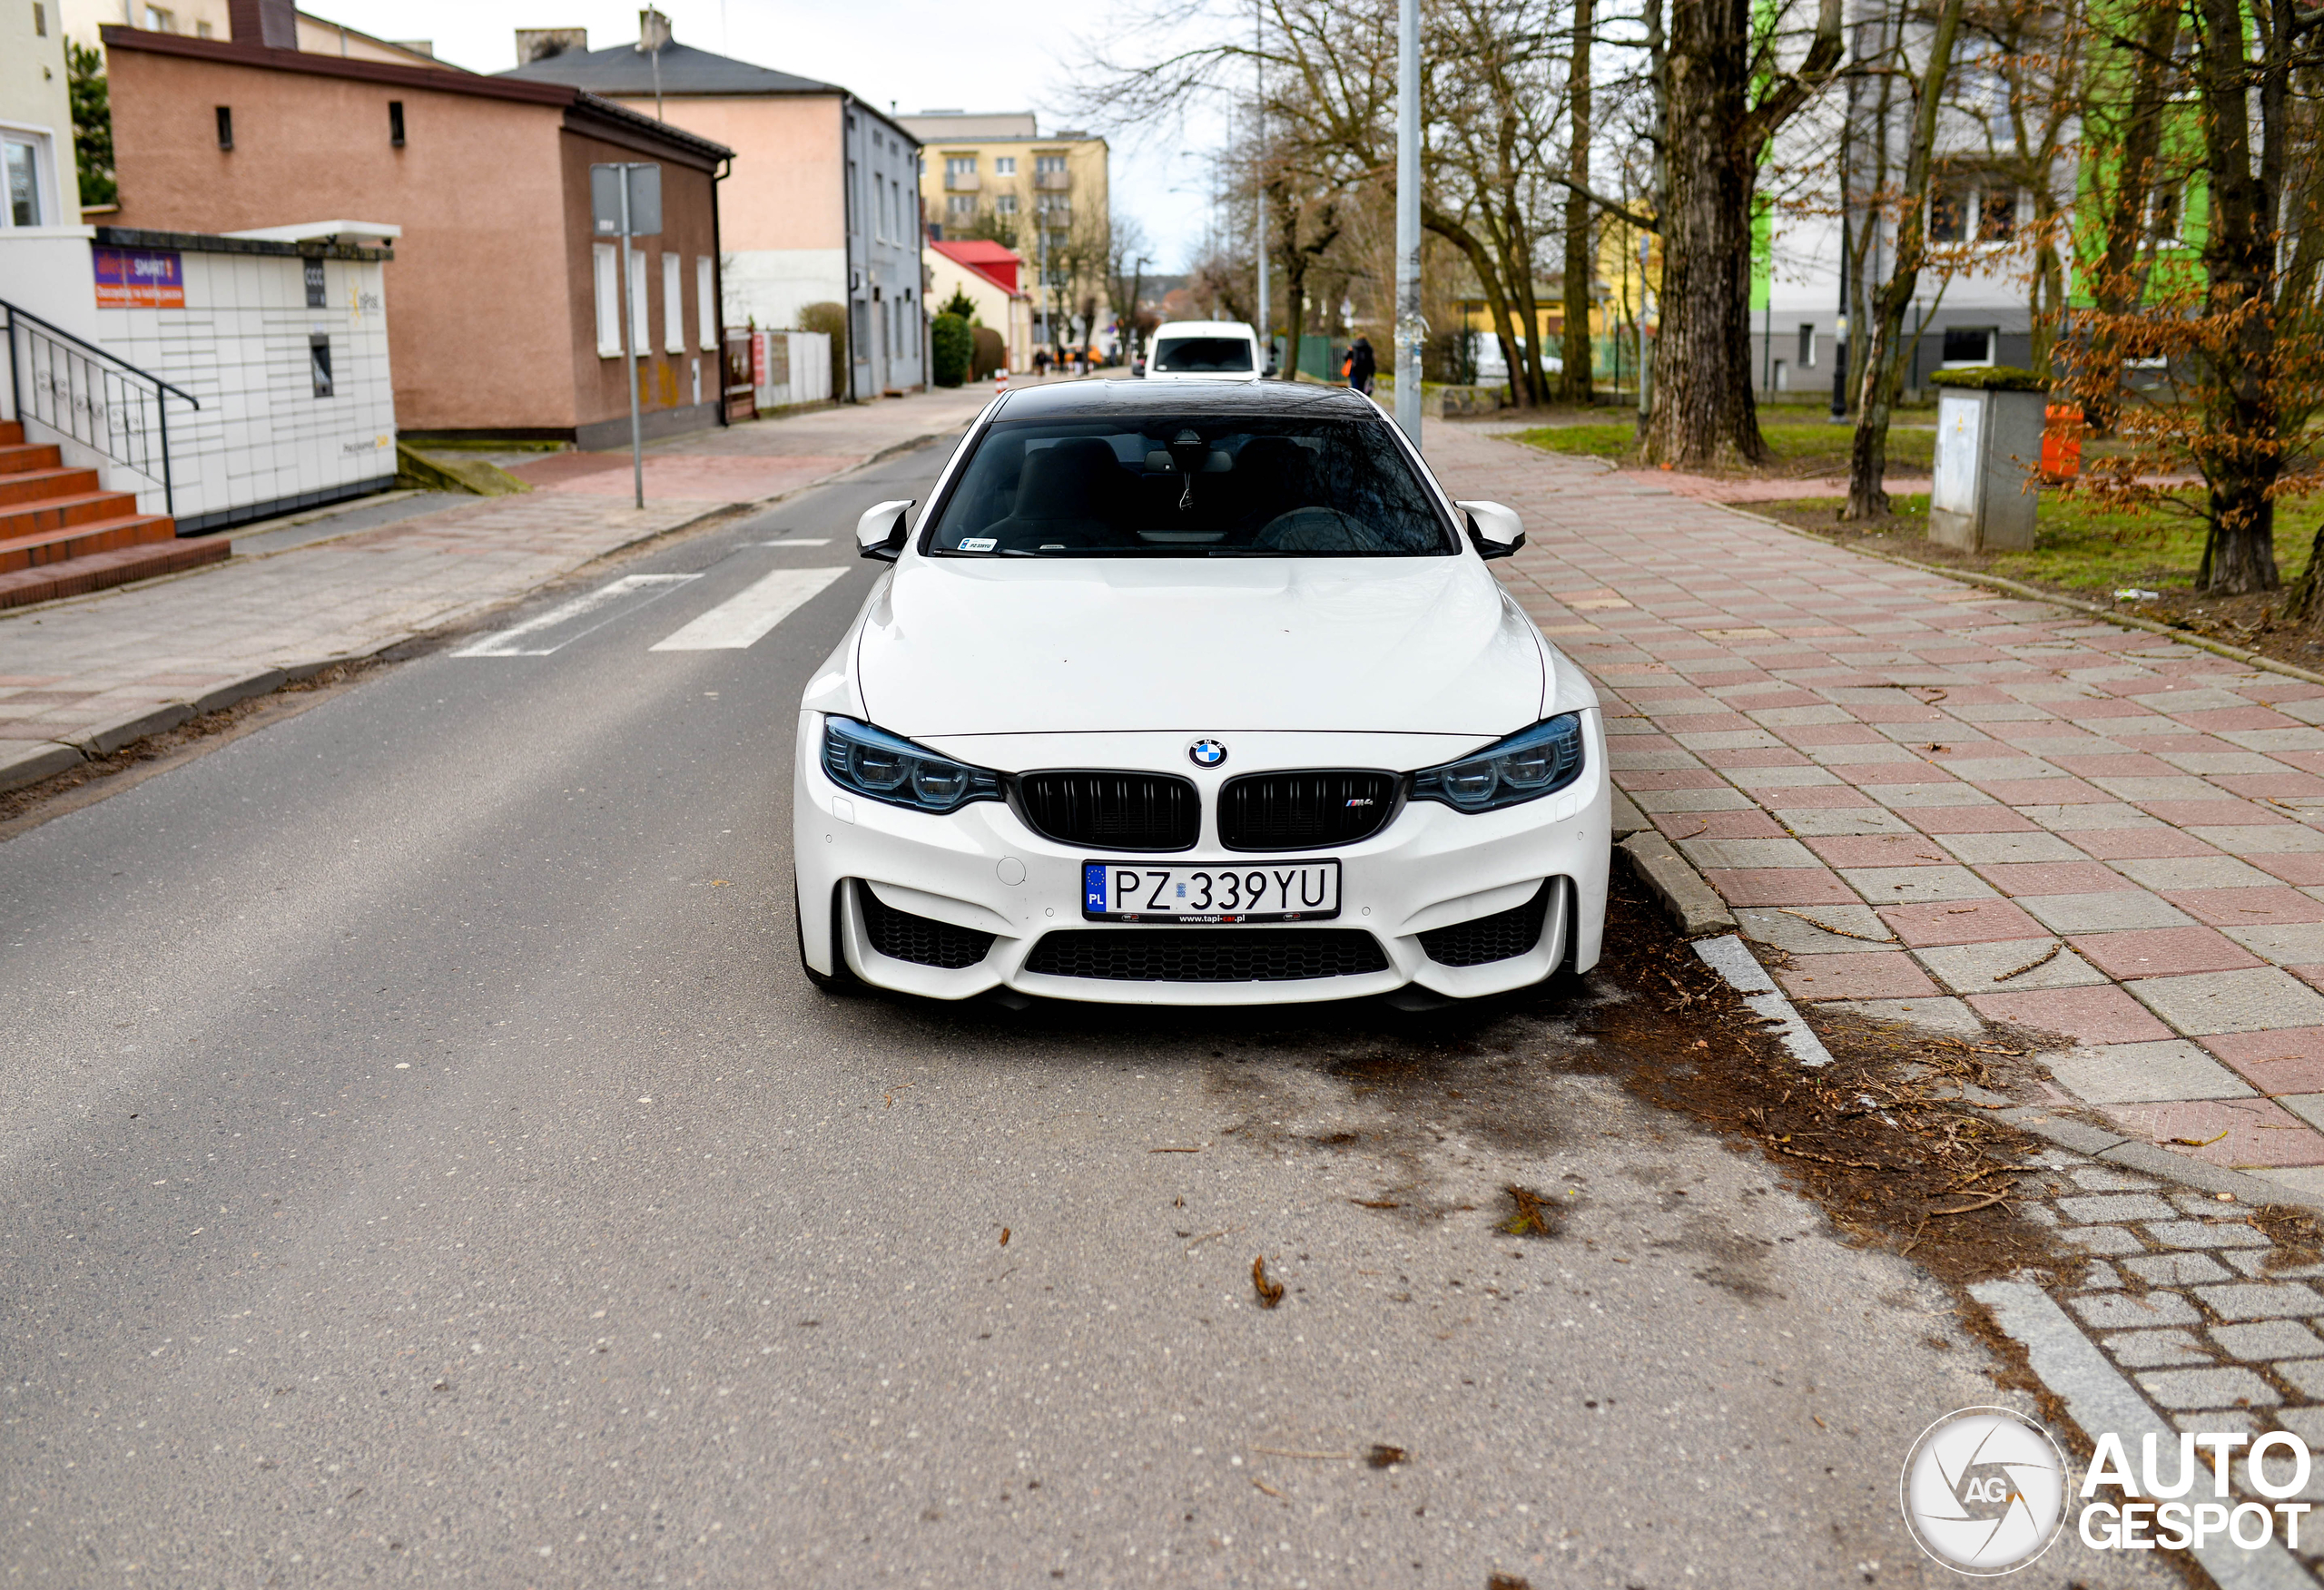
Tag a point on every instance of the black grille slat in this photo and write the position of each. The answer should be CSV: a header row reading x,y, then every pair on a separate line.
x,y
1503,936
1208,955
1112,811
901,936
1303,810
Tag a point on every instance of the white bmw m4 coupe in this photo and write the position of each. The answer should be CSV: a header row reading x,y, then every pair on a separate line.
x,y
1196,694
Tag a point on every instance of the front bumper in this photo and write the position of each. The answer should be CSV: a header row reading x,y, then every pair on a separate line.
x,y
981,869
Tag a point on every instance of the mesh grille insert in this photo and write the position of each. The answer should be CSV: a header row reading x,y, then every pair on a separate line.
x,y
1303,810
1208,955
900,936
1112,811
1500,936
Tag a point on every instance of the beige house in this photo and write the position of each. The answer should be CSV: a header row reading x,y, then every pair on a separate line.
x,y
995,176
820,207
989,276
35,122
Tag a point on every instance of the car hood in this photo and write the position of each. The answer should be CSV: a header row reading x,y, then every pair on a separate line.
x,y
1412,645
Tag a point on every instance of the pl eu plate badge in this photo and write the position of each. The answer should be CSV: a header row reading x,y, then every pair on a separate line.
x,y
1093,886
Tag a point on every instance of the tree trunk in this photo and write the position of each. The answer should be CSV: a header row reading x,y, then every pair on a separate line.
x,y
1574,385
1704,413
1884,357
2240,447
1481,260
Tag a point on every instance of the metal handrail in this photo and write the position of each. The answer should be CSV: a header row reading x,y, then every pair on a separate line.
x,y
100,407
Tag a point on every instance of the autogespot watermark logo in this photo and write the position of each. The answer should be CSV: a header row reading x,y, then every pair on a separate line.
x,y
1985,1492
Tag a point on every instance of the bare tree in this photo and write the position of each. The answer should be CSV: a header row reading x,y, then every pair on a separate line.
x,y
1575,385
1884,354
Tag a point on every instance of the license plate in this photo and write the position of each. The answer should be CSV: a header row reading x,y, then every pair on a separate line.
x,y
1209,891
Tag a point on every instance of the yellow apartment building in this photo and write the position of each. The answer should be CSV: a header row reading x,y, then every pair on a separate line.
x,y
995,176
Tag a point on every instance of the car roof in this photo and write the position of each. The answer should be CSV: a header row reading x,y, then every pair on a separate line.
x,y
1129,399
1206,328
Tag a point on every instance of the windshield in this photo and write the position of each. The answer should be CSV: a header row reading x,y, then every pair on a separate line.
x,y
1189,355
1196,486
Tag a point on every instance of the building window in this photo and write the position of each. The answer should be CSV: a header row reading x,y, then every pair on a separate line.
x,y
40,19
158,20
225,126
27,200
1996,215
959,165
1808,348
1969,346
1048,165
201,30
316,297
318,362
606,259
641,326
961,204
706,300
1948,213
1005,203
674,304
395,122
1004,165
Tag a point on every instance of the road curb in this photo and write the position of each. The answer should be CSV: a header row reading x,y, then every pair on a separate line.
x,y
2132,1155
28,761
1690,901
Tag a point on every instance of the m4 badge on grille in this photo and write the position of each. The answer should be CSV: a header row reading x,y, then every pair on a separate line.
x,y
1207,753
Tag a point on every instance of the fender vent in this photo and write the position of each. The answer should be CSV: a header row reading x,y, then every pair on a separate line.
x,y
900,936
1504,936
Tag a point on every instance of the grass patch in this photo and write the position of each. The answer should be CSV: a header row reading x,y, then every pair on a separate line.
x,y
1802,448
2078,547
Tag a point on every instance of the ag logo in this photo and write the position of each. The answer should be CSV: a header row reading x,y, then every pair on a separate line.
x,y
1983,1491
1207,753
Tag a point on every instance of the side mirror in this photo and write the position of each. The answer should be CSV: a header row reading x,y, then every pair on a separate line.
x,y
880,532
1494,530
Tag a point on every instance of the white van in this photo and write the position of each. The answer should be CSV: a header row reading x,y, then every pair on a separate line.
x,y
1204,351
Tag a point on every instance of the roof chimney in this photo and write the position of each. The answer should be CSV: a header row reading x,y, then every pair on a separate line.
x,y
271,22
653,31
538,44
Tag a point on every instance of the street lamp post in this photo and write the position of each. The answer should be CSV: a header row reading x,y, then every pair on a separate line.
x,y
1410,330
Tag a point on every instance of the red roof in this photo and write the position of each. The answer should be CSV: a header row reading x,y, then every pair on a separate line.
x,y
988,259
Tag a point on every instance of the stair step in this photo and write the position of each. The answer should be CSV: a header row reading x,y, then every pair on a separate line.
x,y
77,576
19,455
12,432
30,486
71,541
59,512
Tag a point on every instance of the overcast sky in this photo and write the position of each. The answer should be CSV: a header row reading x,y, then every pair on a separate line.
x,y
922,54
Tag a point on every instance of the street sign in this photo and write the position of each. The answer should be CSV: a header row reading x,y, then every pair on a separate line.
x,y
645,212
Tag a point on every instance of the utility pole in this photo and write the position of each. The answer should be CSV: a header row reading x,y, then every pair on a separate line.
x,y
1259,187
629,351
1410,330
1840,339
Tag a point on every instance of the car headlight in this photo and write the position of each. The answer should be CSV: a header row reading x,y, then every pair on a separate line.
x,y
882,766
1528,765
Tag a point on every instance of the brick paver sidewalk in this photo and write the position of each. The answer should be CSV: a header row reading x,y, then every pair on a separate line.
x,y
1948,807
92,673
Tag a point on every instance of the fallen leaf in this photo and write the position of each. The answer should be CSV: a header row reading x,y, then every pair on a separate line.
x,y
2199,1142
1270,1292
1004,1236
1382,1456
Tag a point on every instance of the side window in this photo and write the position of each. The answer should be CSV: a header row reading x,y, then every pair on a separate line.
x,y
606,259
674,304
706,300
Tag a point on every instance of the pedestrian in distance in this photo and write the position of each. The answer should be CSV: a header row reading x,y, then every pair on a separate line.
x,y
1359,367
1040,362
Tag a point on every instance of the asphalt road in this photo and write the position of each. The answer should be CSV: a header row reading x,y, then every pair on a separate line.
x,y
421,1162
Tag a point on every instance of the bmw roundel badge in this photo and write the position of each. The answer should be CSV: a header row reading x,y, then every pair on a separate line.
x,y
1207,753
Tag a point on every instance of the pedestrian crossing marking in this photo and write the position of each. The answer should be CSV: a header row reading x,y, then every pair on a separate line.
x,y
745,618
530,638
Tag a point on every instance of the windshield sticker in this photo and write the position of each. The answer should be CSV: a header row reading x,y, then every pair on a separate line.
x,y
979,543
